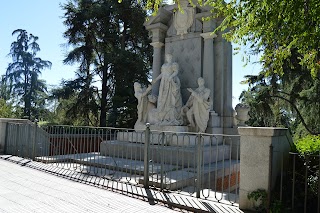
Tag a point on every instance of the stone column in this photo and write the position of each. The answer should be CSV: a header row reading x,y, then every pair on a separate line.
x,y
158,31
227,101
255,161
208,62
156,65
219,75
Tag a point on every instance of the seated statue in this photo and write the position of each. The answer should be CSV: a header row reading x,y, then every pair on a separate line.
x,y
141,94
198,106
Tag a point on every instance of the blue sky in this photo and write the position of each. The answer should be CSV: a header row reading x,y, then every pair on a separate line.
x,y
43,18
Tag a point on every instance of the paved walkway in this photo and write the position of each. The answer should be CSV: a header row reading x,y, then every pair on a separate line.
x,y
24,189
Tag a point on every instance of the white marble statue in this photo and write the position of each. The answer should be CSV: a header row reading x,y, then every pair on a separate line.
x,y
141,94
198,106
169,100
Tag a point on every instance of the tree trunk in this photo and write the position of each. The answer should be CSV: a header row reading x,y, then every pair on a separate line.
x,y
103,114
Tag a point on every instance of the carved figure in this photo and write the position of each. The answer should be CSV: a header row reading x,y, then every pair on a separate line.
x,y
183,20
198,106
169,100
141,94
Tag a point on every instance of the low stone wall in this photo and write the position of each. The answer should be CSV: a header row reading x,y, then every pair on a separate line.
x,y
258,161
3,128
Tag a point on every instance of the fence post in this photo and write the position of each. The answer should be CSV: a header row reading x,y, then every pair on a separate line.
x,y
199,162
162,160
6,138
270,178
18,138
34,139
146,156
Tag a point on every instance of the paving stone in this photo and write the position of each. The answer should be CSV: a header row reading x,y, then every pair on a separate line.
x,y
78,197
28,190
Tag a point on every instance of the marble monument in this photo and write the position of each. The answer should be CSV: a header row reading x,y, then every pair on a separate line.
x,y
184,50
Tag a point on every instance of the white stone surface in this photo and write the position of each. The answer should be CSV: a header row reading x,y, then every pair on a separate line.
x,y
242,114
171,155
255,145
142,95
198,107
169,101
170,138
183,20
199,53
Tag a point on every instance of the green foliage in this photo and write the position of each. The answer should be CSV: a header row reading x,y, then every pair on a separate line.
x,y
275,29
260,197
22,77
291,100
6,110
309,144
110,45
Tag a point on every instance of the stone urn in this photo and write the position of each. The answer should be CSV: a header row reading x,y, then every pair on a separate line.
x,y
242,114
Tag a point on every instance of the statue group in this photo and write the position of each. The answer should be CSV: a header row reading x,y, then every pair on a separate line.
x,y
167,109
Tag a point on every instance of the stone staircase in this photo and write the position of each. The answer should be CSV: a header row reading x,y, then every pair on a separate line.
x,y
173,160
173,163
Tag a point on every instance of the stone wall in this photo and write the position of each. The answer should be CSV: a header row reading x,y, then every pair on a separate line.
x,y
187,53
255,163
3,128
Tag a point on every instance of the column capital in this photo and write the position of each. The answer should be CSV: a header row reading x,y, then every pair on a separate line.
x,y
208,35
157,44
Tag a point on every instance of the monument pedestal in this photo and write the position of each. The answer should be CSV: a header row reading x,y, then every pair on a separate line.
x,y
170,136
160,128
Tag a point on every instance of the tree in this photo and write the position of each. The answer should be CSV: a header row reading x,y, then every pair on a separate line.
x,y
286,34
110,44
6,110
291,100
22,75
274,28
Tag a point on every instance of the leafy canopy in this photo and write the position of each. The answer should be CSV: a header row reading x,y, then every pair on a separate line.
x,y
111,48
272,27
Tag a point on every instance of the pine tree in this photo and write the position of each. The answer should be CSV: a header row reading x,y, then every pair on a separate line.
x,y
23,73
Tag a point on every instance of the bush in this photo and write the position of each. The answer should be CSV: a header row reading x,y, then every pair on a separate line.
x,y
309,144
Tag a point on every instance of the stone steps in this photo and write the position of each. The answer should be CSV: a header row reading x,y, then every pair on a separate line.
x,y
173,177
174,155
186,177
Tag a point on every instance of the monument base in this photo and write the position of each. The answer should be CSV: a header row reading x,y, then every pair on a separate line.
x,y
174,155
169,138
178,129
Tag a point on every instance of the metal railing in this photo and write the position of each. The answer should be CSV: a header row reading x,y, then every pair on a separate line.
x,y
298,186
197,164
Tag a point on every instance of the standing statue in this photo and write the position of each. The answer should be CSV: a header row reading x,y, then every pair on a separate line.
x,y
198,106
169,100
141,94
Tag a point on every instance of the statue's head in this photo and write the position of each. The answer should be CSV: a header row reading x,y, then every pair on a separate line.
x,y
136,86
175,67
168,58
200,81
